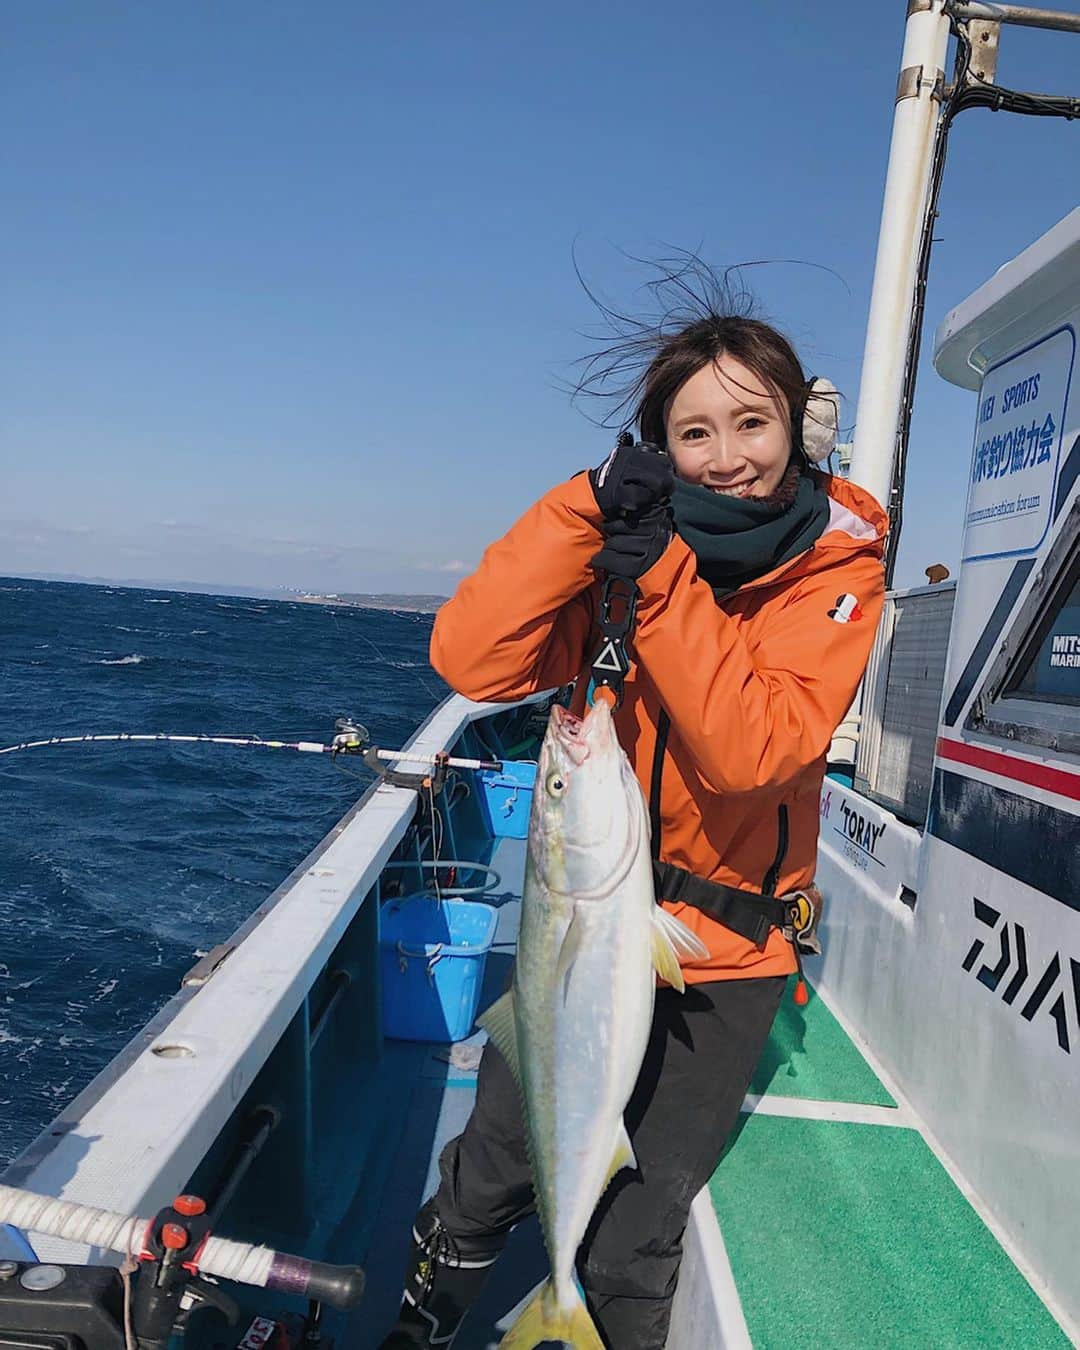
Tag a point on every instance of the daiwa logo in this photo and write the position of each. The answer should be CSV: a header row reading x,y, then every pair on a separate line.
x,y
1015,965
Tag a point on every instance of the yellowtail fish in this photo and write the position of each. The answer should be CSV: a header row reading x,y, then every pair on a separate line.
x,y
575,1024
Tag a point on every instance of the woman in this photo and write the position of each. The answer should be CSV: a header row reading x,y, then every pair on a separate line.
x,y
760,586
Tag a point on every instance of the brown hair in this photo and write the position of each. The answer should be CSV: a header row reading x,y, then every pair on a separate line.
x,y
756,345
699,316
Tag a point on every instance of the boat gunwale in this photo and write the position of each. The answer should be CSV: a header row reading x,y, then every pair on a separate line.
x,y
66,1159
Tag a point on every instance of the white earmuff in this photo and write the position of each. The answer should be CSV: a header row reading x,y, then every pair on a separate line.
x,y
821,420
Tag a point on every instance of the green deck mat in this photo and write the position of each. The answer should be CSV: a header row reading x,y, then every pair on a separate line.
x,y
846,1235
808,1054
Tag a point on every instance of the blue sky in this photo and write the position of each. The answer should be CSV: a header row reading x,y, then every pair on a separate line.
x,y
288,288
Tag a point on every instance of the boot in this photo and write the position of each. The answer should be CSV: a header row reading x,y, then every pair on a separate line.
x,y
445,1277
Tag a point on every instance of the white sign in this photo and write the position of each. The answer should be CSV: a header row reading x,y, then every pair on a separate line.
x,y
1017,445
869,837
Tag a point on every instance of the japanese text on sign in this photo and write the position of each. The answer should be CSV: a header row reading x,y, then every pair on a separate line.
x,y
1017,442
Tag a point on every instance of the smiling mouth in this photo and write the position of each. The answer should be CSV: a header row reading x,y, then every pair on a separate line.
x,y
733,489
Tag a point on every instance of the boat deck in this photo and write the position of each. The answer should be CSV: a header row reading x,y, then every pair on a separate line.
x,y
841,1226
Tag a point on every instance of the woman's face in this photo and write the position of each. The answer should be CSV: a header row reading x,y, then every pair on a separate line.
x,y
726,431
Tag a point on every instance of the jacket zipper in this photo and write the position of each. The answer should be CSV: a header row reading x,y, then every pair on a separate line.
x,y
663,726
772,876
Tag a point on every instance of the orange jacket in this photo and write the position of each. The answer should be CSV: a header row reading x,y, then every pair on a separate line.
x,y
754,685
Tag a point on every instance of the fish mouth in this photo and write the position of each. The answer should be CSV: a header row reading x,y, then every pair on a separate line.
x,y
569,732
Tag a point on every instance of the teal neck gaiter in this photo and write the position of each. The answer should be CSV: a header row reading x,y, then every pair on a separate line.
x,y
738,539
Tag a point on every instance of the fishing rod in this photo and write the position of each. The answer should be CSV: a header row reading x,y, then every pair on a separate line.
x,y
175,1260
350,738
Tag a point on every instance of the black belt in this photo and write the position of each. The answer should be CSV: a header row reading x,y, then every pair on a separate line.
x,y
748,913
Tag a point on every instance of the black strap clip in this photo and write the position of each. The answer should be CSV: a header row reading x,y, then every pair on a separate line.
x,y
618,611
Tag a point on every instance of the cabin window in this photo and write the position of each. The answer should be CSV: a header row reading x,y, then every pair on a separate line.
x,y
1032,694
1050,670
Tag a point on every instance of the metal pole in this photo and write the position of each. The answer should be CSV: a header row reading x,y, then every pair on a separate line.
x,y
1020,15
918,94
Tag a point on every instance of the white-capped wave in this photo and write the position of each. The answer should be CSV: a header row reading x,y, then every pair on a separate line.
x,y
159,602
133,660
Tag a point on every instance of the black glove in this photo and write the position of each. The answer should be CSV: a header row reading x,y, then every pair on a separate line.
x,y
631,547
632,479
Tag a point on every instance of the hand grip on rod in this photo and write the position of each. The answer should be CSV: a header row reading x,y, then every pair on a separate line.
x,y
340,1286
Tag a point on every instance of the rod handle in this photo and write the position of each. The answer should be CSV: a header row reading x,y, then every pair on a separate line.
x,y
340,1286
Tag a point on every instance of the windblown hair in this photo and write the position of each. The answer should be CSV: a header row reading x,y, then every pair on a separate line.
x,y
698,316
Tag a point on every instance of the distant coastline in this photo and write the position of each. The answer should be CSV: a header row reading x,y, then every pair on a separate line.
x,y
406,604
410,604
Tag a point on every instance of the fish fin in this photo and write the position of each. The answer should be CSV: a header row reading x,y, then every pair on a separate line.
x,y
664,960
623,1155
500,1024
687,944
571,945
544,1320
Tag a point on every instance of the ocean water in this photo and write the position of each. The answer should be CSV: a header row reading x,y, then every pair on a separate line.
x,y
120,865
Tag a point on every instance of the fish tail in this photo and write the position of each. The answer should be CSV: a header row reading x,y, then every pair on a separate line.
x,y
545,1320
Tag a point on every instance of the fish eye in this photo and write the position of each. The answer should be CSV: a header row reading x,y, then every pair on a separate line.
x,y
555,785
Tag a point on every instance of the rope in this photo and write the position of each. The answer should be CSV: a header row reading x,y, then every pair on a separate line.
x,y
128,1267
436,839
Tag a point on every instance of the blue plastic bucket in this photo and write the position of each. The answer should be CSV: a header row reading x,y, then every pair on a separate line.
x,y
432,954
506,798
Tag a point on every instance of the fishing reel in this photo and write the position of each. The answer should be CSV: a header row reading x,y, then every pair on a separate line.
x,y
350,738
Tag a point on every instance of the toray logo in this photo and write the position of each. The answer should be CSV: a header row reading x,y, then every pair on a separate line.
x,y
1015,965
860,830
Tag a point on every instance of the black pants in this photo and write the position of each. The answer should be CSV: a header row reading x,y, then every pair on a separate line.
x,y
702,1052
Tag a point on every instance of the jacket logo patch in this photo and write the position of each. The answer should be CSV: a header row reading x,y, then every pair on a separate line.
x,y
847,609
